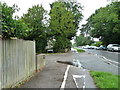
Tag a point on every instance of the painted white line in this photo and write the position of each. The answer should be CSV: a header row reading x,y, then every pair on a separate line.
x,y
84,83
106,58
110,61
79,76
75,82
65,77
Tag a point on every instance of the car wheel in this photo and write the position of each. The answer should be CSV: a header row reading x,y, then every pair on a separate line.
x,y
112,50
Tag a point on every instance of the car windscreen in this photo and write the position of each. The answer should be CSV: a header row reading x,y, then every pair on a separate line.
x,y
115,45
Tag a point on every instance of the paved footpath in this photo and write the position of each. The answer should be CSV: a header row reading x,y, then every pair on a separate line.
x,y
58,75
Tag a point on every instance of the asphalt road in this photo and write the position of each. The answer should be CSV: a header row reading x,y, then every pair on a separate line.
x,y
114,56
93,62
108,56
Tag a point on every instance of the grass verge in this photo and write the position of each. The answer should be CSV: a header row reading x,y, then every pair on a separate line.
x,y
54,53
105,79
80,50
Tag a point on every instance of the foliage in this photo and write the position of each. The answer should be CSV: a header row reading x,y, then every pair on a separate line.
x,y
81,40
64,21
85,30
34,20
105,80
75,8
11,27
105,24
20,29
80,50
63,25
97,44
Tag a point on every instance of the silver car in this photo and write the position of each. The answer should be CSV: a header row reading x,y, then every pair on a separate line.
x,y
113,47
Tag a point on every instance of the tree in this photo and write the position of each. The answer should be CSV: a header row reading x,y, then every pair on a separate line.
x,y
81,40
34,19
98,44
62,25
105,23
20,29
11,27
76,9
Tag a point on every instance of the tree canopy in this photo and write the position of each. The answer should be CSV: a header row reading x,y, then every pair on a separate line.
x,y
65,16
81,40
63,24
34,20
10,27
105,24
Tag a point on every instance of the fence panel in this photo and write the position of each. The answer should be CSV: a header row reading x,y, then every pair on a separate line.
x,y
17,61
0,64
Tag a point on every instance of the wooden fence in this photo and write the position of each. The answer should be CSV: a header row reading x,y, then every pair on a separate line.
x,y
17,61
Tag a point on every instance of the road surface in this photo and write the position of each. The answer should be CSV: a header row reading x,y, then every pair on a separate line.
x,y
59,75
95,62
109,55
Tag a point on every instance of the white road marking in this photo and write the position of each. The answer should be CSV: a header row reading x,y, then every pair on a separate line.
x,y
65,77
110,61
75,82
74,77
105,58
79,76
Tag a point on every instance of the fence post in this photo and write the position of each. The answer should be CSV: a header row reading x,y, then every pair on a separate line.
x,y
0,64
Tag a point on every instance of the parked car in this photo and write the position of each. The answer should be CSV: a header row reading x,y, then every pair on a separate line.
x,y
85,47
92,47
113,47
103,47
98,48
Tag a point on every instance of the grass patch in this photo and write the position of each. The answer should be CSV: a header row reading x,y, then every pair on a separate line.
x,y
54,53
80,50
105,79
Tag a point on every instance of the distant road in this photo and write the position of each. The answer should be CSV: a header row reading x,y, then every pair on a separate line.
x,y
114,56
